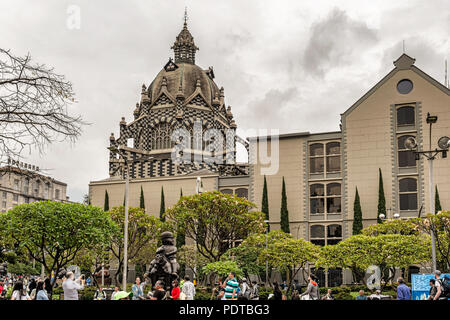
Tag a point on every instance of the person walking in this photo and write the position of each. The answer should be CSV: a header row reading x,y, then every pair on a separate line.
x,y
231,288
41,294
175,290
19,292
403,291
188,288
312,291
71,286
440,286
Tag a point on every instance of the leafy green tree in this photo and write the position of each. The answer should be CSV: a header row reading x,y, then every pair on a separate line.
x,y
53,232
181,237
221,269
141,200
143,235
162,208
394,226
439,225
290,256
247,254
357,215
106,203
265,203
381,198
213,219
284,214
437,201
388,251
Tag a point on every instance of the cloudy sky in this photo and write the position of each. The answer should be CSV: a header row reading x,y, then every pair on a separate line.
x,y
288,65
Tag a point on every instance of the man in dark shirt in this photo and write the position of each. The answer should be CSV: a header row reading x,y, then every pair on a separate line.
x,y
159,293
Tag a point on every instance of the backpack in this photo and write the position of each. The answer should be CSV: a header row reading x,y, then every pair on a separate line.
x,y
445,287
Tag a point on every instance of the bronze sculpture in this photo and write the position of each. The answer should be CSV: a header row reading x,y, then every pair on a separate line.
x,y
165,266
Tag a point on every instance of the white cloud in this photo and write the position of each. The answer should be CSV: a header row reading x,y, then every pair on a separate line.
x,y
258,50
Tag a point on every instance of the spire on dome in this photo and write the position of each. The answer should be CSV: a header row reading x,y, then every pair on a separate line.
x,y
184,47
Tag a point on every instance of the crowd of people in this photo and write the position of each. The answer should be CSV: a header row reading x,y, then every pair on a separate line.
x,y
229,288
24,288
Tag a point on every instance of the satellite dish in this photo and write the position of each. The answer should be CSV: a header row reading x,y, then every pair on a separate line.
x,y
75,269
444,143
410,143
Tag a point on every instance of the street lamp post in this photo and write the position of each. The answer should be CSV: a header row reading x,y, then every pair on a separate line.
x,y
125,226
444,144
121,151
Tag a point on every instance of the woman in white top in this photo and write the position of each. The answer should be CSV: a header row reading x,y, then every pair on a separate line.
x,y
19,293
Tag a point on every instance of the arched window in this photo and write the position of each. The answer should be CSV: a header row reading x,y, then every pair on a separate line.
x,y
333,157
406,158
334,198
317,235
227,191
316,162
242,192
317,199
161,137
408,194
405,116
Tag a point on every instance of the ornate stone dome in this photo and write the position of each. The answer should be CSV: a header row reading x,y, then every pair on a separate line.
x,y
183,78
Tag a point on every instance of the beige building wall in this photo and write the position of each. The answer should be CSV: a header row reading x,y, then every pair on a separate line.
x,y
291,167
370,135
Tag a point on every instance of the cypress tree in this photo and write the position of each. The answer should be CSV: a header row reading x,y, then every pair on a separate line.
x,y
437,201
106,204
162,209
357,218
381,199
284,214
181,238
142,201
265,203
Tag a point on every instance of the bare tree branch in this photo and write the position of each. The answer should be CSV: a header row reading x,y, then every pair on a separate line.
x,y
34,103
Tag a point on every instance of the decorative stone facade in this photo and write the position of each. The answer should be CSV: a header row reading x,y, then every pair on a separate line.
x,y
182,98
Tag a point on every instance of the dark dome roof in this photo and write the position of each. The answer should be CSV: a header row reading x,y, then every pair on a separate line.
x,y
185,76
